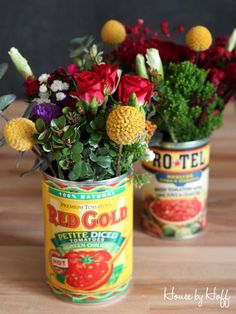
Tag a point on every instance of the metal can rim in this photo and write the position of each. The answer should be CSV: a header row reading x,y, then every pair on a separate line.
x,y
85,183
182,145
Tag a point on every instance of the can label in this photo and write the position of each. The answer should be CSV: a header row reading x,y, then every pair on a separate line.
x,y
174,203
88,239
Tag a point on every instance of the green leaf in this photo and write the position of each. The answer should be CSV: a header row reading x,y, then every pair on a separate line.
x,y
57,139
89,129
93,157
66,151
76,157
86,152
56,155
104,161
66,110
68,133
81,170
59,122
115,274
103,151
99,122
77,148
44,135
47,148
6,100
113,153
3,69
63,164
96,137
40,125
84,169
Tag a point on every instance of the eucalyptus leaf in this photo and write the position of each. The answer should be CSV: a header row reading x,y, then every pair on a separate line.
x,y
6,100
3,69
27,111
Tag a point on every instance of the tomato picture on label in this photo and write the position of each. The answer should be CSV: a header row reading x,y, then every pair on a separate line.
x,y
88,270
176,210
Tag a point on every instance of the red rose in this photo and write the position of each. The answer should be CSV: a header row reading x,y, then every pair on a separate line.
x,y
135,84
230,73
31,87
89,85
109,76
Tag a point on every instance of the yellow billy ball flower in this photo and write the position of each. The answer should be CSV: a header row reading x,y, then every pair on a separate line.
x,y
18,134
113,32
198,38
125,125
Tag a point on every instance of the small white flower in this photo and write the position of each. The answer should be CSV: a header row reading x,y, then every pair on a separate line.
x,y
43,78
60,96
150,155
58,85
44,96
65,86
43,88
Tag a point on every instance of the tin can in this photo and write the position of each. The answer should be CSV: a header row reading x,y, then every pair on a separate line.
x,y
175,202
88,237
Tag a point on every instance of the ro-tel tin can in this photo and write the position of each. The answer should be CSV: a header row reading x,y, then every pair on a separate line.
x,y
88,237
174,203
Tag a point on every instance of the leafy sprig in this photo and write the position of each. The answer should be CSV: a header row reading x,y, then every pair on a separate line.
x,y
188,107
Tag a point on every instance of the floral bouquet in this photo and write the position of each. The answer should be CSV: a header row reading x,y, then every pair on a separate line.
x,y
82,124
193,82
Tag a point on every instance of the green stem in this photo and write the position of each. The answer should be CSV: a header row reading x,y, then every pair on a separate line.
x,y
119,160
42,154
60,174
172,134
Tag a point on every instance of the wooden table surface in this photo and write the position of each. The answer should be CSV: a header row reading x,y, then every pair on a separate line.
x,y
205,262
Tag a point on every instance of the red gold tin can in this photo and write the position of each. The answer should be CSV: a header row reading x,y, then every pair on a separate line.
x,y
175,202
88,237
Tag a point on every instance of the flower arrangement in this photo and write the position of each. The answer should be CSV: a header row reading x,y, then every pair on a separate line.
x,y
82,124
193,81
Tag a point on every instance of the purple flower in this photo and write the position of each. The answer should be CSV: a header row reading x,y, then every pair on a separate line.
x,y
45,111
